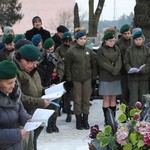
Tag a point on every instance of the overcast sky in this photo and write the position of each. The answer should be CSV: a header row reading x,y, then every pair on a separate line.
x,y
122,7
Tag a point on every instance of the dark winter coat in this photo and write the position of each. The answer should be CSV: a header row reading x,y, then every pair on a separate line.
x,y
31,88
136,56
51,63
109,62
44,33
80,64
12,114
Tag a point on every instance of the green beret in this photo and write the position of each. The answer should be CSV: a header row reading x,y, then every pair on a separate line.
x,y
137,34
66,35
124,28
8,39
30,52
19,37
108,35
48,43
8,69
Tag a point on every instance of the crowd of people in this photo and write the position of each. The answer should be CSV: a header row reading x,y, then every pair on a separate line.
x,y
32,61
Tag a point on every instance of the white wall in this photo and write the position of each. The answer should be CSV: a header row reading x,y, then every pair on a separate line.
x,y
46,9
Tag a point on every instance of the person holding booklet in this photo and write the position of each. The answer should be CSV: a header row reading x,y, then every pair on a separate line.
x,y
12,112
27,59
137,64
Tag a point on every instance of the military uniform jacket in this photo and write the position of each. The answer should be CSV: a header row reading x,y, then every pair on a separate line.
x,y
80,64
123,45
136,56
109,62
31,89
6,54
62,51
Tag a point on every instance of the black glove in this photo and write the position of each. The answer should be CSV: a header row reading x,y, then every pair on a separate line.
x,y
68,85
55,81
93,83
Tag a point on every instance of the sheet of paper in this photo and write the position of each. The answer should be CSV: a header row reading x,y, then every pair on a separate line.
x,y
42,114
54,92
133,70
29,126
55,89
39,117
53,96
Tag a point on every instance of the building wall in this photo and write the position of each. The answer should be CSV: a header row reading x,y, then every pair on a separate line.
x,y
47,9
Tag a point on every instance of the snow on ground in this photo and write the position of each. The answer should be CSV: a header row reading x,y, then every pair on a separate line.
x,y
69,138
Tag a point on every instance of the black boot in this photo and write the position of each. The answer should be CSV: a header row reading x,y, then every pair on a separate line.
x,y
79,124
85,122
105,115
68,119
54,127
49,128
113,108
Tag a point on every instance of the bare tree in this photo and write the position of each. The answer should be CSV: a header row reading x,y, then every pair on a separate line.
x,y
94,16
64,17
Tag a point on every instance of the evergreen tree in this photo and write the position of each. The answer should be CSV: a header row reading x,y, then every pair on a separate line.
x,y
9,10
76,16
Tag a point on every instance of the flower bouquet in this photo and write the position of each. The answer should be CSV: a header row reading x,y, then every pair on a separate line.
x,y
132,132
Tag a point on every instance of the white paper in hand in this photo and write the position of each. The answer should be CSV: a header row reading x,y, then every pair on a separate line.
x,y
39,117
53,96
133,70
54,92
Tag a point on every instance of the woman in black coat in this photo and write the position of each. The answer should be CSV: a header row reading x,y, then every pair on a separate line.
x,y
12,112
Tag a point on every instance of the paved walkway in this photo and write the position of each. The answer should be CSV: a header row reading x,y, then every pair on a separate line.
x,y
69,138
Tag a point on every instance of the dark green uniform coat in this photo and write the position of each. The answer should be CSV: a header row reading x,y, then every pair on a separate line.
x,y
136,56
80,64
31,89
6,54
123,45
80,67
109,62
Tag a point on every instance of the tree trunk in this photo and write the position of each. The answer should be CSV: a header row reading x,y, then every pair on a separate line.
x,y
142,17
76,16
94,17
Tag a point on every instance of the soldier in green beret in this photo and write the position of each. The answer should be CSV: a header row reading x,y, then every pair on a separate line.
x,y
62,51
51,70
27,60
80,69
7,53
123,43
109,64
137,64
